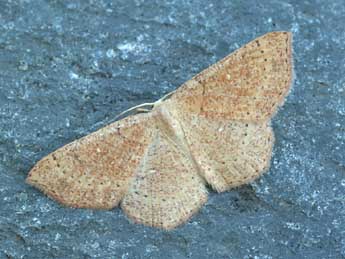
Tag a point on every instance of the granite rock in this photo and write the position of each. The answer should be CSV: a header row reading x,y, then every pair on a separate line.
x,y
68,68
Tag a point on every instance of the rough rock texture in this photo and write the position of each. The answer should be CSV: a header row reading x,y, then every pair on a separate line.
x,y
68,67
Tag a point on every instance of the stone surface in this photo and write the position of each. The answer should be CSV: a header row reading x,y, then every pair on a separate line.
x,y
68,67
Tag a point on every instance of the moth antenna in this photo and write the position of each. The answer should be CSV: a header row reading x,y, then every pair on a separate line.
x,y
134,108
142,110
138,108
165,97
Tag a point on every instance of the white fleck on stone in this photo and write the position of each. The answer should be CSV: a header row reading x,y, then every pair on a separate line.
x,y
9,25
57,236
23,66
95,245
73,75
293,226
95,64
140,37
228,76
134,48
127,47
111,53
36,221
45,208
151,248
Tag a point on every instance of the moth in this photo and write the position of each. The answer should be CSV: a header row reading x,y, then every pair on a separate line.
x,y
213,132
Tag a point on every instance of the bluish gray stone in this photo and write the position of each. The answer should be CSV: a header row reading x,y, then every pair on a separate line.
x,y
68,68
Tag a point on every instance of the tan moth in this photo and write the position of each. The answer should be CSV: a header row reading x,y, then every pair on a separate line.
x,y
213,130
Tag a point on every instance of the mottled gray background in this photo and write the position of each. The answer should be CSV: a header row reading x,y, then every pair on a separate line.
x,y
68,67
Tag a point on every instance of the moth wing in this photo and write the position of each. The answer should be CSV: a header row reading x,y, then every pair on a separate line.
x,y
167,189
95,171
248,85
225,110
229,153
